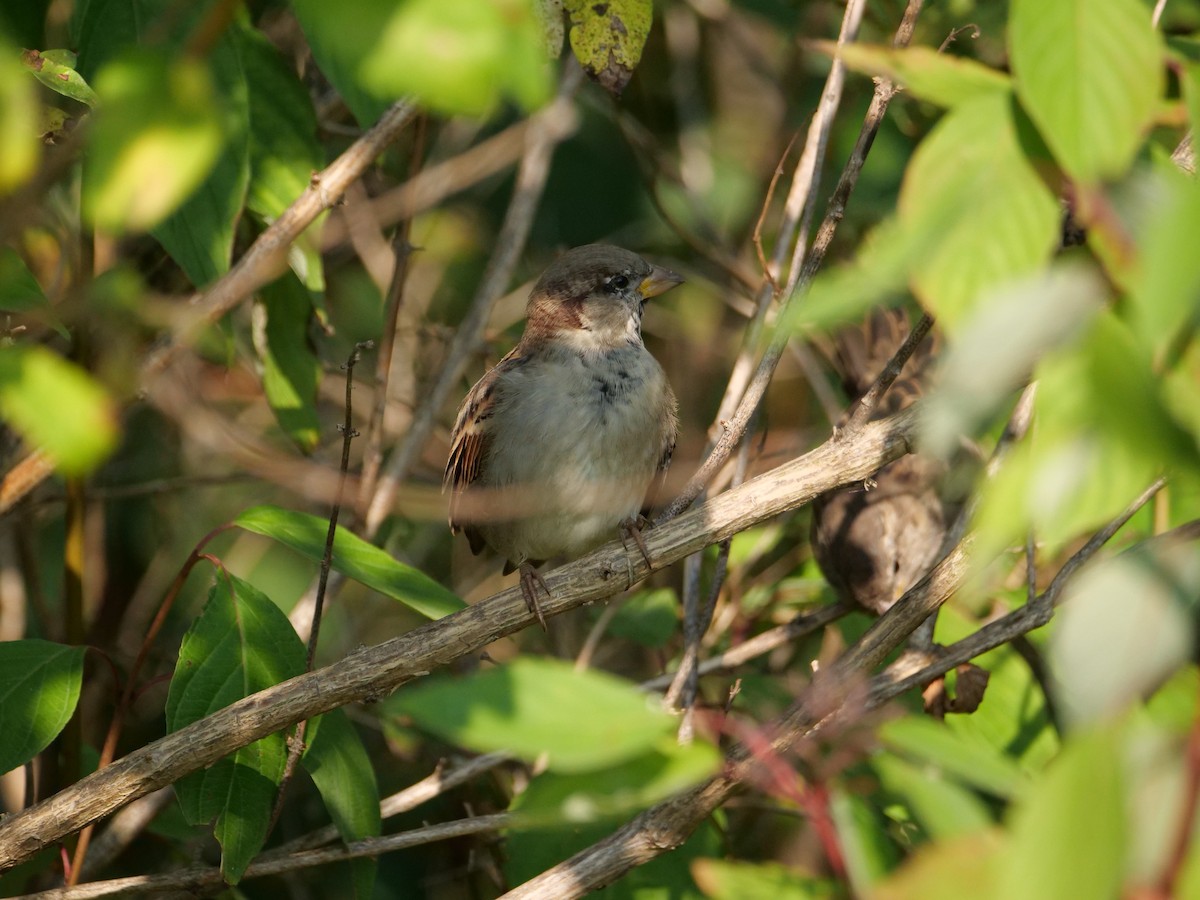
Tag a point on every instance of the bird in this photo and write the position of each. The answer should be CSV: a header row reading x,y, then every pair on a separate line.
x,y
873,541
555,449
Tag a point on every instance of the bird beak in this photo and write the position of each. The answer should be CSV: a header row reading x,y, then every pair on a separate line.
x,y
659,281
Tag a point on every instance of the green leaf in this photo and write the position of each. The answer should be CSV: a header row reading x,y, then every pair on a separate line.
x,y
607,38
581,720
924,72
868,853
733,880
39,687
56,70
20,147
943,807
461,56
199,235
20,292
340,36
1104,433
649,617
966,757
284,151
979,374
877,276
57,407
241,643
291,370
1123,629
1191,88
1068,833
354,557
939,871
1010,226
607,794
154,141
1166,277
341,769
1091,76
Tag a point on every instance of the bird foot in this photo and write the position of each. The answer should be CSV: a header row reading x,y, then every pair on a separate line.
x,y
531,580
631,529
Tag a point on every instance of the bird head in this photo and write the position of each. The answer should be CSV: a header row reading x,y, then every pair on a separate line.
x,y
592,297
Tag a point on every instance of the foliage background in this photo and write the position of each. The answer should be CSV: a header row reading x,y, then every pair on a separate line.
x,y
212,117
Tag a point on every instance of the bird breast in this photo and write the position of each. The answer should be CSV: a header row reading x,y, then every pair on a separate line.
x,y
582,440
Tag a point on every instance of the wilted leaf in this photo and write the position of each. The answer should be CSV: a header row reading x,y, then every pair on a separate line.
x,y
56,70
608,37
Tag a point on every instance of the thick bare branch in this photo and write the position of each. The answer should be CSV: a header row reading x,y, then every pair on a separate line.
x,y
267,257
377,670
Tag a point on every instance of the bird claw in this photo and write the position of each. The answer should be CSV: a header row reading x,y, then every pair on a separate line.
x,y
531,580
631,529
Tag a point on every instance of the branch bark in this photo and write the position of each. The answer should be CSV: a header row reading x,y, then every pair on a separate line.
x,y
374,671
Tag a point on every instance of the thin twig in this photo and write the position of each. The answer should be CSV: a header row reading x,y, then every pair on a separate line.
x,y
801,199
800,625
428,788
735,427
295,742
129,693
402,250
588,650
869,401
1186,827
194,878
696,620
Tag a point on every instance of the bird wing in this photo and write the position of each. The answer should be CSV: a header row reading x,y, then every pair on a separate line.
x,y
470,439
657,488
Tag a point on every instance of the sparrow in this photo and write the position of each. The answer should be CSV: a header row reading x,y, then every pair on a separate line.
x,y
873,541
555,449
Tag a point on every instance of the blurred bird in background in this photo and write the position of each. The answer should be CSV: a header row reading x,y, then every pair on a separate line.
x,y
873,541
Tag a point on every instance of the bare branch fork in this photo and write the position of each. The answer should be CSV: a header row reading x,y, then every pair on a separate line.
x,y
374,671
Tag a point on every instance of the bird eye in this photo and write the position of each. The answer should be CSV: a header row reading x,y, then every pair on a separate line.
x,y
618,282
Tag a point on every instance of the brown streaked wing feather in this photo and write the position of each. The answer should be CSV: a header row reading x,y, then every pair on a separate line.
x,y
469,441
654,494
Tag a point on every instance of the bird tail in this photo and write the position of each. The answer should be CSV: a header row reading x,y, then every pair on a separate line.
x,y
859,353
